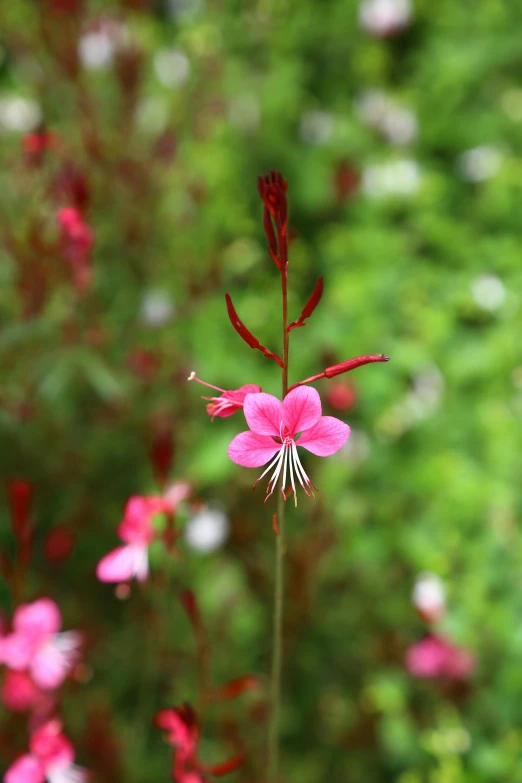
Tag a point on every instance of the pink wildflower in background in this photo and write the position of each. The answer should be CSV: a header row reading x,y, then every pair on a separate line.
x,y
51,758
182,732
436,656
274,436
19,691
229,401
37,646
137,531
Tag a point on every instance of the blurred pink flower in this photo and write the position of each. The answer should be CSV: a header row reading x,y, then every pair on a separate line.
x,y
435,656
36,645
182,729
19,692
229,401
137,531
274,428
51,758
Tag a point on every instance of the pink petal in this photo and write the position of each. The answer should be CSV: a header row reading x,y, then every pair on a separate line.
x,y
54,660
19,693
427,658
38,619
264,414
302,409
136,526
17,649
52,747
26,769
459,663
123,563
326,437
238,395
175,494
251,450
178,731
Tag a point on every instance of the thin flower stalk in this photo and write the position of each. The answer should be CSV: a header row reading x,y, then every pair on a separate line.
x,y
279,427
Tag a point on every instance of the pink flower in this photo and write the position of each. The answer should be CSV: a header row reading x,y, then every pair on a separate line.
x,y
19,692
183,734
35,644
137,531
274,436
51,758
435,656
182,729
229,401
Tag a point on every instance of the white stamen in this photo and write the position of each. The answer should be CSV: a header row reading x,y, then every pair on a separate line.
x,y
273,481
271,464
286,460
307,480
298,469
291,460
191,376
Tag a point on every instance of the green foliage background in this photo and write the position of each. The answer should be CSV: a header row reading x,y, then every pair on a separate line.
x,y
432,480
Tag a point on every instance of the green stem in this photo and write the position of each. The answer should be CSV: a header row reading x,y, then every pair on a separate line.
x,y
277,652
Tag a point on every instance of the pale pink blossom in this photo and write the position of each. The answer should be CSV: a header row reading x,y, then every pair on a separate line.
x,y
37,646
51,758
137,531
436,656
277,428
229,401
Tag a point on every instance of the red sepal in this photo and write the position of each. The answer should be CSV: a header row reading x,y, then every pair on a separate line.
x,y
235,688
247,336
310,306
225,767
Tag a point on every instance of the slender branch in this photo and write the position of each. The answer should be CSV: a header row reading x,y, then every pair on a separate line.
x,y
277,653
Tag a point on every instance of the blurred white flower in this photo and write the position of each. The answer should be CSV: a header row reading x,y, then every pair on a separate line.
x,y
244,112
371,107
489,292
207,530
429,598
316,127
479,163
19,114
157,307
393,178
385,17
395,122
172,67
399,125
96,49
98,45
